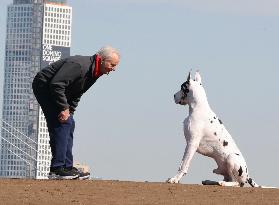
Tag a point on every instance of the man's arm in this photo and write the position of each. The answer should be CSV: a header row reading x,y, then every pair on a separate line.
x,y
67,74
74,104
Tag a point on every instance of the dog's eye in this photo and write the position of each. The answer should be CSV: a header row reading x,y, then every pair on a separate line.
x,y
186,91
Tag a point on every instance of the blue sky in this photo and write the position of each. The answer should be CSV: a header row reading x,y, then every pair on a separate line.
x,y
128,126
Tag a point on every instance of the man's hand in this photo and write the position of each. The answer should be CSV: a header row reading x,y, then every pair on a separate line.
x,y
64,115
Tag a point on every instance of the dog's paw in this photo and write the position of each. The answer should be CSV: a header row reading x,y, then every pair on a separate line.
x,y
172,180
222,183
231,184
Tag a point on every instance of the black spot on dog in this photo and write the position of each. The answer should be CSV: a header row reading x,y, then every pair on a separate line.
x,y
220,121
237,154
240,171
225,143
251,182
215,133
211,121
215,118
184,88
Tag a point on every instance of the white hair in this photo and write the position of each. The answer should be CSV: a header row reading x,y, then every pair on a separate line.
x,y
107,52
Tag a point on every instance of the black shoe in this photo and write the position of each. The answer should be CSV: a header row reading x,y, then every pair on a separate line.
x,y
61,173
81,175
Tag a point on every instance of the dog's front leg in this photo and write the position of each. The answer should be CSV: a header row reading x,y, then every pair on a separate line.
x,y
189,152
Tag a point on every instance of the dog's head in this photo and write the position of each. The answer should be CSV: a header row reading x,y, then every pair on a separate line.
x,y
191,91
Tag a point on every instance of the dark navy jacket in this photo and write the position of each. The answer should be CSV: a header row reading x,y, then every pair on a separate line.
x,y
66,80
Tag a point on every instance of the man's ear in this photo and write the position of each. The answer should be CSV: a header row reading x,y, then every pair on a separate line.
x,y
198,77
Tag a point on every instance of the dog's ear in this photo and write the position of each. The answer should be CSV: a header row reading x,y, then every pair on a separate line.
x,y
188,78
198,77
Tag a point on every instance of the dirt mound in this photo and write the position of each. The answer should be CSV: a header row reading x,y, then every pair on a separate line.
x,y
17,191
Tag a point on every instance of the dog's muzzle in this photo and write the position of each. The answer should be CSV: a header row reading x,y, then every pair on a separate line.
x,y
178,97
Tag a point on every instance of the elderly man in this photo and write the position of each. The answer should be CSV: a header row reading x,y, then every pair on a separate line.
x,y
58,89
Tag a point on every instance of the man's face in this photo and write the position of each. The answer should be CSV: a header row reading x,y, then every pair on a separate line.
x,y
109,64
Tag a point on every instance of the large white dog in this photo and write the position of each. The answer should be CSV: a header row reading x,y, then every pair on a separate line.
x,y
206,134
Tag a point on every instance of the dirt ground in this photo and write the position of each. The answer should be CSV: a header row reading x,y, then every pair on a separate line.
x,y
15,191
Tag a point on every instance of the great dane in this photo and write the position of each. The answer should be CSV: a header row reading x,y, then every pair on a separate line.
x,y
206,134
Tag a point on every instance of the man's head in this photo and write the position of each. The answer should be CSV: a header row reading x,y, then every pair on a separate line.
x,y
110,58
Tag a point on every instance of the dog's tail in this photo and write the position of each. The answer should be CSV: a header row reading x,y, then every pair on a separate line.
x,y
252,182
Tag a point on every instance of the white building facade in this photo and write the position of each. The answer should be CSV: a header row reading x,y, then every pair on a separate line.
x,y
38,33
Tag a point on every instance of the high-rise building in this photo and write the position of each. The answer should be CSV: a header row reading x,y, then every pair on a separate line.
x,y
38,33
